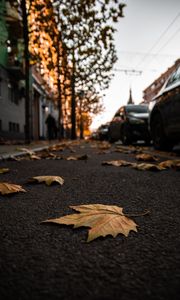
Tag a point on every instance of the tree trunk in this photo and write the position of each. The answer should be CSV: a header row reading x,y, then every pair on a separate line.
x,y
27,67
60,124
73,101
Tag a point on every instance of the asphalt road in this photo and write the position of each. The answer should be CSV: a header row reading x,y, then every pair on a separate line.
x,y
46,261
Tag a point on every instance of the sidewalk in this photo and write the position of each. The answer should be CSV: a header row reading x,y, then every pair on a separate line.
x,y
9,150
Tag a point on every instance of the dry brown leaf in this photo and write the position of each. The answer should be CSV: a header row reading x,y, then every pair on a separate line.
x,y
46,154
28,151
147,167
71,158
146,157
47,179
79,157
60,147
9,188
34,157
170,164
102,219
103,152
117,163
127,149
4,170
104,146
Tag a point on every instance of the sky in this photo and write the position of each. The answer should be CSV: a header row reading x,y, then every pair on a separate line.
x,y
147,43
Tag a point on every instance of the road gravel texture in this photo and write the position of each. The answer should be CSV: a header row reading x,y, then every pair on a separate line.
x,y
49,261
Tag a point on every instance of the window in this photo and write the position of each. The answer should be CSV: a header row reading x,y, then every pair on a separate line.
x,y
13,93
10,93
13,127
137,109
17,127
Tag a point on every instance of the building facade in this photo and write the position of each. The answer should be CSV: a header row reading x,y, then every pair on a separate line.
x,y
152,90
12,83
11,74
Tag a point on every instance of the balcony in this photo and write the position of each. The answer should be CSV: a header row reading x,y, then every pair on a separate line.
x,y
15,68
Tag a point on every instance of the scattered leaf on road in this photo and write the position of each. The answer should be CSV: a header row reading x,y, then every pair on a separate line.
x,y
127,149
4,170
30,152
79,157
102,219
104,146
117,163
170,164
9,188
147,167
103,152
34,157
47,179
57,148
46,154
146,157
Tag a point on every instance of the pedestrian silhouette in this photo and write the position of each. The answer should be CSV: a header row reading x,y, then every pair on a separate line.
x,y
51,127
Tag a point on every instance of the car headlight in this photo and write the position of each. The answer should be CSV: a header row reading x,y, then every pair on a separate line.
x,y
136,121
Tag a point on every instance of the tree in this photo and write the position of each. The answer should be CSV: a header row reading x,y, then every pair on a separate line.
x,y
24,13
88,38
73,41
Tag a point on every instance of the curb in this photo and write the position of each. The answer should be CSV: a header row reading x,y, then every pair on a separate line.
x,y
21,153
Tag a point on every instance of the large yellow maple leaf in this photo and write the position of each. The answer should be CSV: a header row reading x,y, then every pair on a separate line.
x,y
102,219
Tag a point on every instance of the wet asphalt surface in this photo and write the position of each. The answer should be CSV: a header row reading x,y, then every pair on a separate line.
x,y
47,261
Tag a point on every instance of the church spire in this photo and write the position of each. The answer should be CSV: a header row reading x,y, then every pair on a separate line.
x,y
130,101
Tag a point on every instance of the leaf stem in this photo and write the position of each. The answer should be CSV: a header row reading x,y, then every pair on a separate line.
x,y
146,212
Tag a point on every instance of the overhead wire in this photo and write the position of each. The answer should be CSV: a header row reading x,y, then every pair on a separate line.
x,y
136,71
158,40
171,37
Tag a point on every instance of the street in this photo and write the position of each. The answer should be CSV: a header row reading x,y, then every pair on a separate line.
x,y
50,261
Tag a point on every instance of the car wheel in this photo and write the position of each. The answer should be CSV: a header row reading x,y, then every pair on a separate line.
x,y
148,142
125,136
111,140
160,140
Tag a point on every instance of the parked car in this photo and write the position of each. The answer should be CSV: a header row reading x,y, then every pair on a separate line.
x,y
164,118
103,132
94,135
130,124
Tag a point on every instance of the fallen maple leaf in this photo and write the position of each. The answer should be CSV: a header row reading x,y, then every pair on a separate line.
x,y
28,151
146,157
4,170
170,164
47,179
71,158
117,163
9,188
102,219
104,146
127,149
79,157
34,157
59,147
147,167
